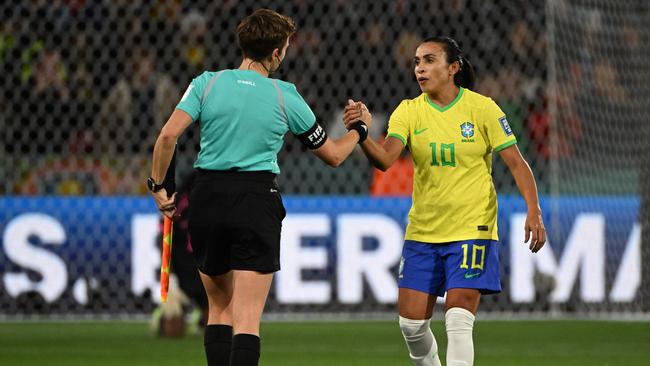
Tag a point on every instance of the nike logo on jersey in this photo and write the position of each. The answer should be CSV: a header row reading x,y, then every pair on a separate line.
x,y
273,190
417,132
471,275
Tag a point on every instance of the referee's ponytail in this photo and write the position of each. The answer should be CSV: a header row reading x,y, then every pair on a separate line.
x,y
465,77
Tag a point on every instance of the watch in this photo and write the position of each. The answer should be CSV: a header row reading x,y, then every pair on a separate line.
x,y
153,186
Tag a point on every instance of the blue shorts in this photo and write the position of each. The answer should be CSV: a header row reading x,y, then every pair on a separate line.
x,y
436,268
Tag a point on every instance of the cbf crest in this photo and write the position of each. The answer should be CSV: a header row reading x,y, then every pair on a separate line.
x,y
467,130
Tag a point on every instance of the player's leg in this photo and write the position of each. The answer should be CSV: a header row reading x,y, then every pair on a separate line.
x,y
249,296
460,307
218,332
472,269
421,280
415,309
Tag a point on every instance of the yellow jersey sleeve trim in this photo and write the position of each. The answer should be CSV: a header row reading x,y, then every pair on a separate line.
x,y
397,137
503,146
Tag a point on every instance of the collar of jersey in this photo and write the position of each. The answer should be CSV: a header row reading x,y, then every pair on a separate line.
x,y
453,102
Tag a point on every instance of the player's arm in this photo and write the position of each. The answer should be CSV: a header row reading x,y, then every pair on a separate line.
x,y
381,156
525,180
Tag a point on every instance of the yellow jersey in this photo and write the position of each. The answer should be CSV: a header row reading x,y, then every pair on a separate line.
x,y
453,193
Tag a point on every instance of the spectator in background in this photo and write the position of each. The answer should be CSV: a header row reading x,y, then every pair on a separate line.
x,y
50,78
562,143
609,101
40,119
404,49
504,88
136,106
194,28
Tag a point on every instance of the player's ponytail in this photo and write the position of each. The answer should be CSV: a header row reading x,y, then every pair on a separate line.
x,y
465,77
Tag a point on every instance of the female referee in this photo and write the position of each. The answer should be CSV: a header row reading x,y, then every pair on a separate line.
x,y
236,210
451,239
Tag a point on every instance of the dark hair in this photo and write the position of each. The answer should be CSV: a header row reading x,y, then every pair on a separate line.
x,y
465,77
263,31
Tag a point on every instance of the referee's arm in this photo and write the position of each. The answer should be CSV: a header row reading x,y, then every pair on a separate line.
x,y
334,152
164,148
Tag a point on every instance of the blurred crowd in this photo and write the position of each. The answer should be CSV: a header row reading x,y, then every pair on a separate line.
x,y
87,85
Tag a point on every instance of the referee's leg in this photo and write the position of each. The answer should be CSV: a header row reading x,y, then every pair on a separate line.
x,y
249,296
218,332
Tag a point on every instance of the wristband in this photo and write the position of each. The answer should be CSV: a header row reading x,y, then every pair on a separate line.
x,y
361,128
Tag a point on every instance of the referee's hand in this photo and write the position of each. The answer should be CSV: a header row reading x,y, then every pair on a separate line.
x,y
166,206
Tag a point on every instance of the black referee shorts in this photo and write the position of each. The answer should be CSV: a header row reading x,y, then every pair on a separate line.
x,y
235,219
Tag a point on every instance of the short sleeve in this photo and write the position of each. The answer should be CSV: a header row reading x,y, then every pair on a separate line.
x,y
499,133
299,116
191,100
398,124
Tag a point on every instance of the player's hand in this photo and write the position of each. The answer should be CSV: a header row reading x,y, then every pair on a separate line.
x,y
356,111
166,206
535,231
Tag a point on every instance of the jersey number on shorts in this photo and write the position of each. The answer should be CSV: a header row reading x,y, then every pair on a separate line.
x,y
475,254
447,155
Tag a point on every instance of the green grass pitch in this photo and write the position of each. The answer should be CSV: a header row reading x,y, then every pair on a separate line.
x,y
376,343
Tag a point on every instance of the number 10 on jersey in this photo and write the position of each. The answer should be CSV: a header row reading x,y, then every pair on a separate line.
x,y
447,155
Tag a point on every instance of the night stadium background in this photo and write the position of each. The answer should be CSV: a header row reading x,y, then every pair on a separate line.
x,y
87,85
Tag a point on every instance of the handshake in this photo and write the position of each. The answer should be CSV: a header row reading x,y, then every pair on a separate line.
x,y
356,116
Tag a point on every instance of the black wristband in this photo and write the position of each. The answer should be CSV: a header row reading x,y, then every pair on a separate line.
x,y
361,128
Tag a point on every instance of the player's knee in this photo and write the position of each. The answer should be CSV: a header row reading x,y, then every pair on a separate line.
x,y
413,329
459,321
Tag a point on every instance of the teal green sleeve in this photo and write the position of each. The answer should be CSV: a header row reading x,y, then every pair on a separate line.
x,y
191,100
299,116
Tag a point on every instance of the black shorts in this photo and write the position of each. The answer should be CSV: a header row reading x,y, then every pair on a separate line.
x,y
235,219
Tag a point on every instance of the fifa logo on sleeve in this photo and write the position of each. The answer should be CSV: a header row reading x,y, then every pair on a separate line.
x,y
505,126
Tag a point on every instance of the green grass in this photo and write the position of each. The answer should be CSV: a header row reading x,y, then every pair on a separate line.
x,y
502,343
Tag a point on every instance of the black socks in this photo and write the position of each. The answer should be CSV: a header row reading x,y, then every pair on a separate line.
x,y
224,349
245,350
217,341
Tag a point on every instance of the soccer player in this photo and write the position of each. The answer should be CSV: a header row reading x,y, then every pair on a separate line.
x,y
235,206
451,239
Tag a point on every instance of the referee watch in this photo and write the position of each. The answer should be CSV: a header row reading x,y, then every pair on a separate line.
x,y
153,186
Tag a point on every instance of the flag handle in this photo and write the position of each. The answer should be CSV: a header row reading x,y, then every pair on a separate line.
x,y
168,225
166,258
